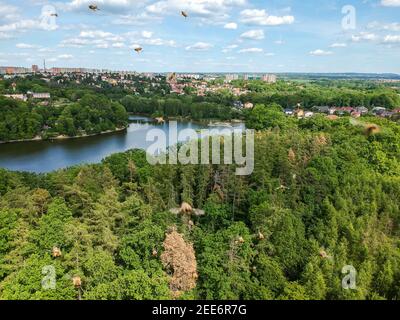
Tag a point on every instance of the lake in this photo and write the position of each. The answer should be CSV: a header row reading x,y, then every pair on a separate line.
x,y
46,156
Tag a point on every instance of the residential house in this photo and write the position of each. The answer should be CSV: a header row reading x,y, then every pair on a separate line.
x,y
322,109
22,97
378,111
248,105
344,110
289,112
362,110
40,95
386,114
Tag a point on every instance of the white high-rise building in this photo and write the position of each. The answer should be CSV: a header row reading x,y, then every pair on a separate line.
x,y
270,78
231,77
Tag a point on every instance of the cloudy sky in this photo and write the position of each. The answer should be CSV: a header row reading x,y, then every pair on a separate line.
x,y
218,35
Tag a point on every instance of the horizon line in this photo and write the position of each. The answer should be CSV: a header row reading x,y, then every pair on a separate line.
x,y
210,72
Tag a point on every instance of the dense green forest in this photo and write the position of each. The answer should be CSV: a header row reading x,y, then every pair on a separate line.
x,y
323,93
75,86
288,95
184,106
323,195
153,97
91,114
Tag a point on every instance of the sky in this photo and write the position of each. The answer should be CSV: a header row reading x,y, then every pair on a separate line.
x,y
217,36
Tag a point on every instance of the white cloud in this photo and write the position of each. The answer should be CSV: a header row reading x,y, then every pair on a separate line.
x,y
118,45
262,18
210,11
229,48
231,26
45,50
113,6
320,52
147,34
364,36
390,3
253,35
26,46
338,45
395,26
143,60
135,46
21,54
98,34
137,19
251,50
95,34
103,40
392,39
270,54
75,42
19,26
232,46
65,56
200,46
8,12
4,35
11,21
159,42
101,44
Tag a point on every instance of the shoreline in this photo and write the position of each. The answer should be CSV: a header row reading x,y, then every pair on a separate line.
x,y
183,119
64,137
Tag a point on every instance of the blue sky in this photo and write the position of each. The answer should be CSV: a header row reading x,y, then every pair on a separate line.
x,y
218,35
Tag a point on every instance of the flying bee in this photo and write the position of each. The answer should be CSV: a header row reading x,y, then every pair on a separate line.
x,y
187,209
93,7
369,128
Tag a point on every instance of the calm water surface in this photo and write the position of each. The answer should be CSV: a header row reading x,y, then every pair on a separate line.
x,y
46,156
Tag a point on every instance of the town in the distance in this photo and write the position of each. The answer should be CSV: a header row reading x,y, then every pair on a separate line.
x,y
239,86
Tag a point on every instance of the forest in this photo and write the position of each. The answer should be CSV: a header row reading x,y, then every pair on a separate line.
x,y
154,98
182,106
334,93
286,94
90,114
324,195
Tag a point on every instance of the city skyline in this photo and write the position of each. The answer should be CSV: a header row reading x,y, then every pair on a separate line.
x,y
219,36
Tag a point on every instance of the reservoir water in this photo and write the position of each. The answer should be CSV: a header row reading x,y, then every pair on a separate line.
x,y
46,156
